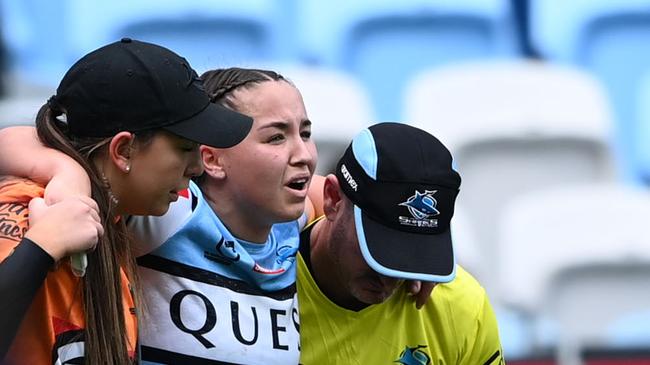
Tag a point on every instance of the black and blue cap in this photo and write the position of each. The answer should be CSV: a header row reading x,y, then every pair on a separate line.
x,y
134,86
403,187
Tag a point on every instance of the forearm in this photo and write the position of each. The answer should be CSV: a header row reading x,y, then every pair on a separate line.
x,y
21,275
23,155
314,202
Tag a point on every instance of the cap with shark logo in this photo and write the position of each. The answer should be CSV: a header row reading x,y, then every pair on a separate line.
x,y
401,181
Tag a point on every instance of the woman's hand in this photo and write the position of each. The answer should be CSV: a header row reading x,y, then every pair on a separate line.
x,y
69,226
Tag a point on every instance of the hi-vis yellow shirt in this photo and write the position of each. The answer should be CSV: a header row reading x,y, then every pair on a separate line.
x,y
456,326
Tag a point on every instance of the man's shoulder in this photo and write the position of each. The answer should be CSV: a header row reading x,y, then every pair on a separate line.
x,y
463,293
464,282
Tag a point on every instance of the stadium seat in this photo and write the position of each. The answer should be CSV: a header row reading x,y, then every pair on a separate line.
x,y
513,127
578,256
385,42
641,104
209,34
631,330
465,242
514,327
609,38
587,300
336,103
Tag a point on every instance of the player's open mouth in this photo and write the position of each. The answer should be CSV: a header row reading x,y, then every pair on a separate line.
x,y
298,184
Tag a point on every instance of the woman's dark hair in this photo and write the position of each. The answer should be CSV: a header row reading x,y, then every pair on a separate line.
x,y
105,331
220,83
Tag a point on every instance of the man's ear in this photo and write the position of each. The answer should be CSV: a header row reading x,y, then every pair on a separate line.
x,y
120,150
331,196
212,159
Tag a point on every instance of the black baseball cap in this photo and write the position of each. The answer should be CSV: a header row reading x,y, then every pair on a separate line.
x,y
403,187
135,86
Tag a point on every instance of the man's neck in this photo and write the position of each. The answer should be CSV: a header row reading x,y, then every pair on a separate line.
x,y
325,270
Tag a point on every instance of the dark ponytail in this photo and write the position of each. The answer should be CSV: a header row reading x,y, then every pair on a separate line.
x,y
105,333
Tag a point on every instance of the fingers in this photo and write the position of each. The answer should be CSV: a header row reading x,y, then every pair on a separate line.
x,y
424,294
37,208
94,208
420,290
413,287
70,226
91,208
100,230
89,201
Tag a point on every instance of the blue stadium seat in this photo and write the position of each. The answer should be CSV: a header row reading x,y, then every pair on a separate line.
x,y
610,39
209,34
515,332
569,262
631,330
385,43
513,127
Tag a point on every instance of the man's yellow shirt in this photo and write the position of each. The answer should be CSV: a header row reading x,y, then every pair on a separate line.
x,y
456,326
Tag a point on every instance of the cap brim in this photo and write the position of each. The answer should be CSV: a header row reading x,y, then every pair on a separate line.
x,y
214,126
415,256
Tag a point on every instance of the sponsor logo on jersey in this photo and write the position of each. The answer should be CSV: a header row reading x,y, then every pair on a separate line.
x,y
286,252
422,207
414,356
11,216
224,323
225,252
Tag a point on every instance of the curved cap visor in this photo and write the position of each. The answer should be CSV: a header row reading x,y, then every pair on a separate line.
x,y
415,256
214,126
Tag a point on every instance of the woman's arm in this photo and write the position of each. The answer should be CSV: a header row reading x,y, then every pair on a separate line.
x,y
23,155
314,202
59,230
21,274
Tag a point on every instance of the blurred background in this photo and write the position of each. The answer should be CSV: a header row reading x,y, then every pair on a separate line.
x,y
545,105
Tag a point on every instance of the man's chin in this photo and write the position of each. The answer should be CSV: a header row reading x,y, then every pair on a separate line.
x,y
371,297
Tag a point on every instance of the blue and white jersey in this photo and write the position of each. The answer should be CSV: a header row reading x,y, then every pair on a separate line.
x,y
212,298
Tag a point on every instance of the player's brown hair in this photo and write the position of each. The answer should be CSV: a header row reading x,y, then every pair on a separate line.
x,y
105,335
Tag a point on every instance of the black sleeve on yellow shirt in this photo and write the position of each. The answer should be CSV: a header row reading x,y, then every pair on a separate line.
x,y
21,274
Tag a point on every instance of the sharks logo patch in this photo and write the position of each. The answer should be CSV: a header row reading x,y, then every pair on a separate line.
x,y
225,252
422,207
414,356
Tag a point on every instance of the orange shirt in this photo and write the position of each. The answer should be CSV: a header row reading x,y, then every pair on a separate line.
x,y
52,329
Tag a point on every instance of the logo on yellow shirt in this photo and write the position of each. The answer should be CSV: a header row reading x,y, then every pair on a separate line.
x,y
414,356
